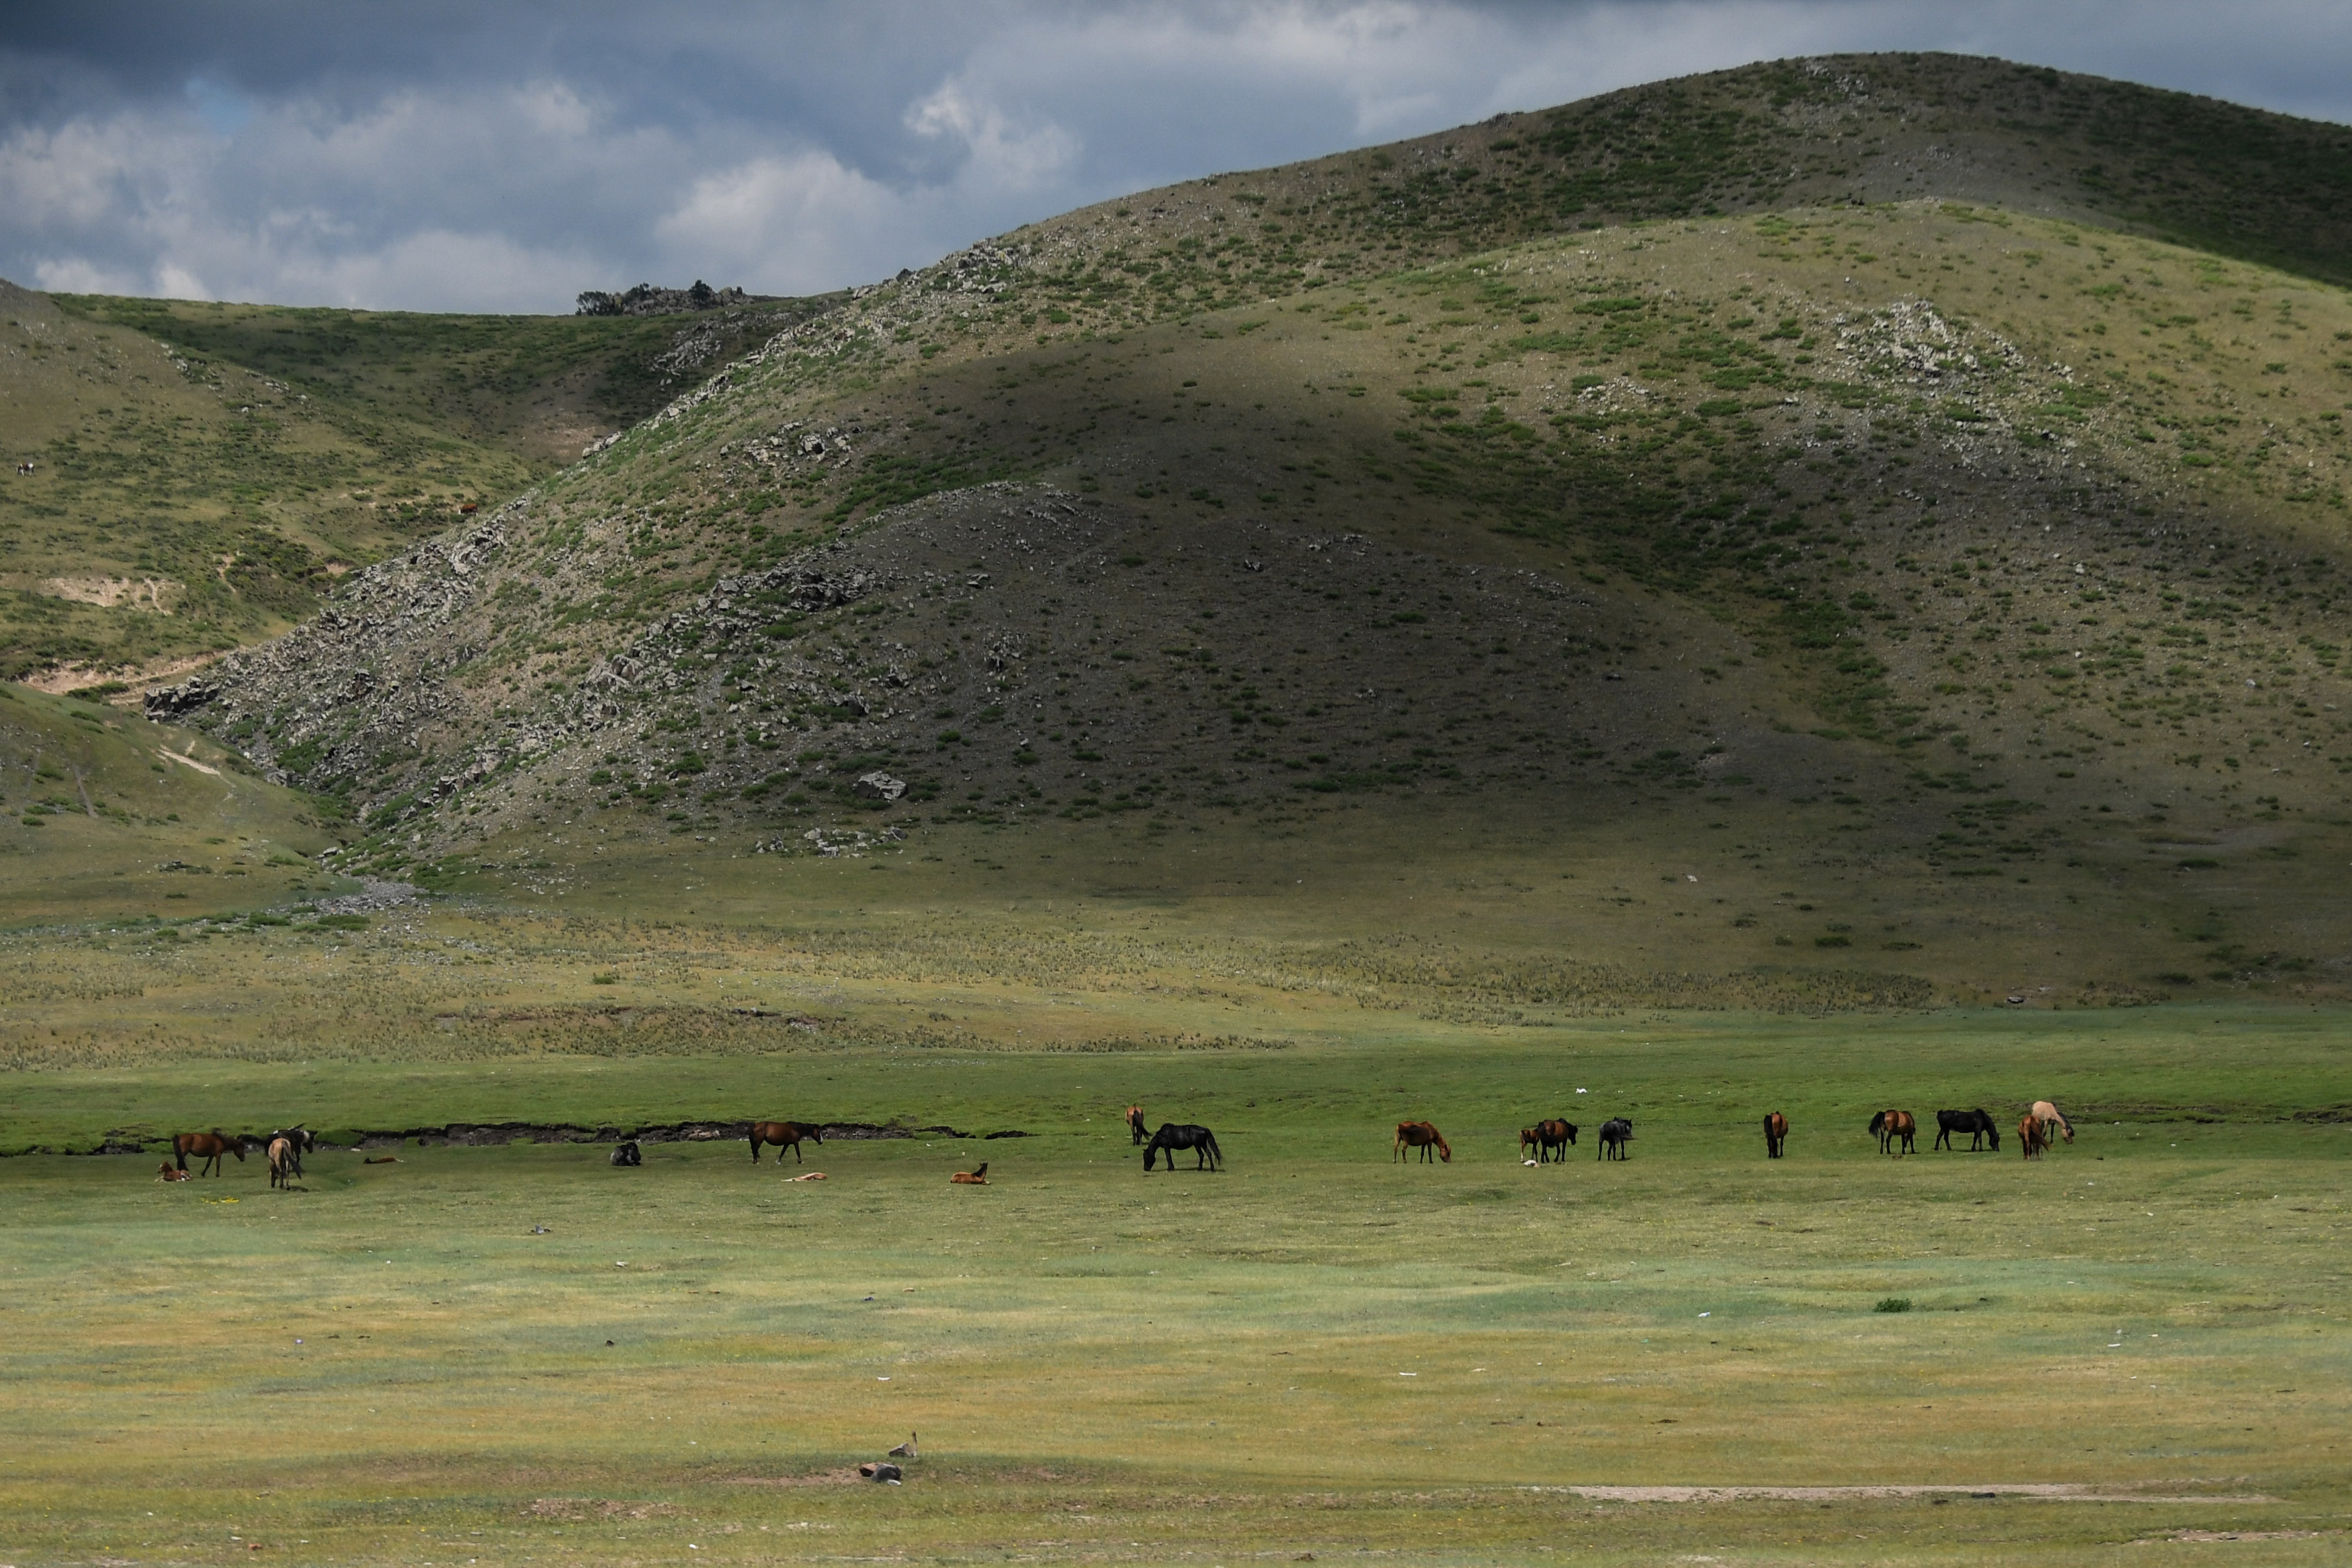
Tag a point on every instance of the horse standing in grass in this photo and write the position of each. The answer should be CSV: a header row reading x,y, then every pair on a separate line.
x,y
1891,1128
1528,1142
1978,1124
1615,1133
1172,1136
2050,1116
2033,1135
208,1148
1420,1135
1553,1138
302,1139
1776,1134
783,1135
283,1167
1135,1129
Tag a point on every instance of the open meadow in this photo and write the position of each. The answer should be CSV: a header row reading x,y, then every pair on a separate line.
x,y
519,1352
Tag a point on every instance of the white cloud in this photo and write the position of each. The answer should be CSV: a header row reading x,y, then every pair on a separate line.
x,y
801,150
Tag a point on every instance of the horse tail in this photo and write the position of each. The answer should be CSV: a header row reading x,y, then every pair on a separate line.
x,y
1216,1155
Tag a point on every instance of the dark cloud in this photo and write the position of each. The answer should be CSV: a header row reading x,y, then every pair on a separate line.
x,y
446,156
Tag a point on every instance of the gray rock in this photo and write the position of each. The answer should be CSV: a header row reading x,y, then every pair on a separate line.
x,y
879,785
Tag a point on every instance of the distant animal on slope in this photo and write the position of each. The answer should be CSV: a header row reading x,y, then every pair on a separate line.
x,y
1776,1134
1553,1138
1420,1135
1893,1129
971,1178
2033,1135
626,1152
168,1172
1615,1133
208,1148
281,1161
1135,1129
783,1135
2050,1116
1174,1136
1978,1124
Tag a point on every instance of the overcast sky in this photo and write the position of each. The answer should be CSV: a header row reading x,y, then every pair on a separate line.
x,y
475,156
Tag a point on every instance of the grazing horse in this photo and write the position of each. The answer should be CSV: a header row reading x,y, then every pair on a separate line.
x,y
1420,1135
1135,1129
1172,1137
1615,1133
1776,1133
1894,1128
1552,1138
964,1178
2050,1116
783,1135
282,1166
208,1148
2033,1135
1978,1124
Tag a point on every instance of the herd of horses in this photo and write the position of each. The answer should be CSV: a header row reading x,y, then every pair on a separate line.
x,y
1896,1131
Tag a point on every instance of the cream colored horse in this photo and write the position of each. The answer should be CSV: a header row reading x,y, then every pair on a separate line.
x,y
2050,1116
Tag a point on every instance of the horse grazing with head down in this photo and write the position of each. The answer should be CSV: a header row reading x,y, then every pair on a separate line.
x,y
1420,1135
2033,1135
783,1135
1978,1124
1893,1128
1552,1138
1776,1134
2050,1116
1172,1136
208,1148
1615,1133
1136,1132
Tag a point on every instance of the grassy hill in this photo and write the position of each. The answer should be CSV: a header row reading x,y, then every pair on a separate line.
x,y
203,473
1907,558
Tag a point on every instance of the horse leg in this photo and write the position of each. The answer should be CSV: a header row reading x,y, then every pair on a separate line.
x,y
796,1153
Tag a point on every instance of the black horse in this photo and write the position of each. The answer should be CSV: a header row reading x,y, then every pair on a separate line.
x,y
1615,1133
303,1140
1199,1140
1978,1125
627,1153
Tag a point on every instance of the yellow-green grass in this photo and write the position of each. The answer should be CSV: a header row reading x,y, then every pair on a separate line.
x,y
1104,1365
109,817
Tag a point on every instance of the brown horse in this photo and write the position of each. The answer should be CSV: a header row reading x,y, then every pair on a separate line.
x,y
2033,1135
1893,1127
1553,1137
208,1148
1135,1129
281,1161
168,1172
2050,1116
783,1135
968,1178
1776,1133
1527,1141
1420,1135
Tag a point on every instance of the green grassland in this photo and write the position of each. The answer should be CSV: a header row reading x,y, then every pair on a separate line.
x,y
204,473
520,1352
1685,597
